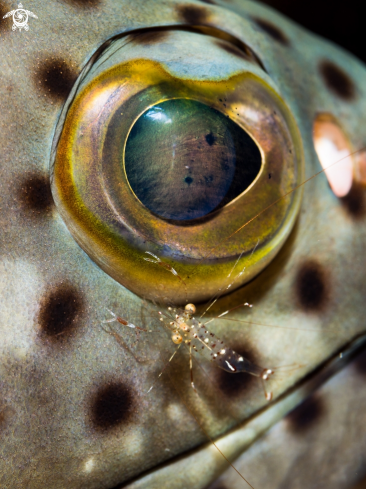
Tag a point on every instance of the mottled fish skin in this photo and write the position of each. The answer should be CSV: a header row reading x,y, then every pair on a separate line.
x,y
322,433
73,406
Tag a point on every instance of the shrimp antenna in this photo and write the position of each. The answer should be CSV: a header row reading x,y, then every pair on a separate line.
x,y
221,291
155,259
281,198
207,435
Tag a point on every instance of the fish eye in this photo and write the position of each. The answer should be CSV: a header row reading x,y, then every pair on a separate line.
x,y
179,151
184,159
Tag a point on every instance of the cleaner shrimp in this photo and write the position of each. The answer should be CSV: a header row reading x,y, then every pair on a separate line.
x,y
195,334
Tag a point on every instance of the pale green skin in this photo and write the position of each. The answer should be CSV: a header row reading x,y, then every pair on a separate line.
x,y
45,391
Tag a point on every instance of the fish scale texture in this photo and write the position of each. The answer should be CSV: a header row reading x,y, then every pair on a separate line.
x,y
74,408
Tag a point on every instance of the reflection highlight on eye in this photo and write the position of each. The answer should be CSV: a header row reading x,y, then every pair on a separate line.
x,y
184,159
167,152
156,114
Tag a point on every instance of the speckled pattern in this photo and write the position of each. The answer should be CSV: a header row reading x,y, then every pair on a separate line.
x,y
74,408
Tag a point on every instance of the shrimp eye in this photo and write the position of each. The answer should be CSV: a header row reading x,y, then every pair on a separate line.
x,y
190,308
161,150
177,339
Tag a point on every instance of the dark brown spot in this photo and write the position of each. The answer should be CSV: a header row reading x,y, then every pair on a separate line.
x,y
236,384
307,414
7,413
58,312
311,286
5,24
231,49
4,414
354,201
149,37
272,30
56,77
84,3
35,194
111,406
211,2
192,14
337,80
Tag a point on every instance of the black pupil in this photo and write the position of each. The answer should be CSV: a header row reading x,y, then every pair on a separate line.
x,y
184,159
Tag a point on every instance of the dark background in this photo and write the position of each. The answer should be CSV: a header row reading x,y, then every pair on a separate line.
x,y
340,21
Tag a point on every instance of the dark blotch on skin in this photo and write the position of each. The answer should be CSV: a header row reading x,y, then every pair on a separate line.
x,y
58,312
56,78
311,286
149,37
354,201
272,30
337,80
237,384
111,406
5,414
307,414
5,24
231,49
192,14
211,2
35,194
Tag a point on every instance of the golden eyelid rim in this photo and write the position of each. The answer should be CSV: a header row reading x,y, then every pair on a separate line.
x,y
93,195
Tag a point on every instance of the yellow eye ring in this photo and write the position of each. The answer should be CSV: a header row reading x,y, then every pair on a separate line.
x,y
94,196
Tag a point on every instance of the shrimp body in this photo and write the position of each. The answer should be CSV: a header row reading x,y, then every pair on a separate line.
x,y
194,333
